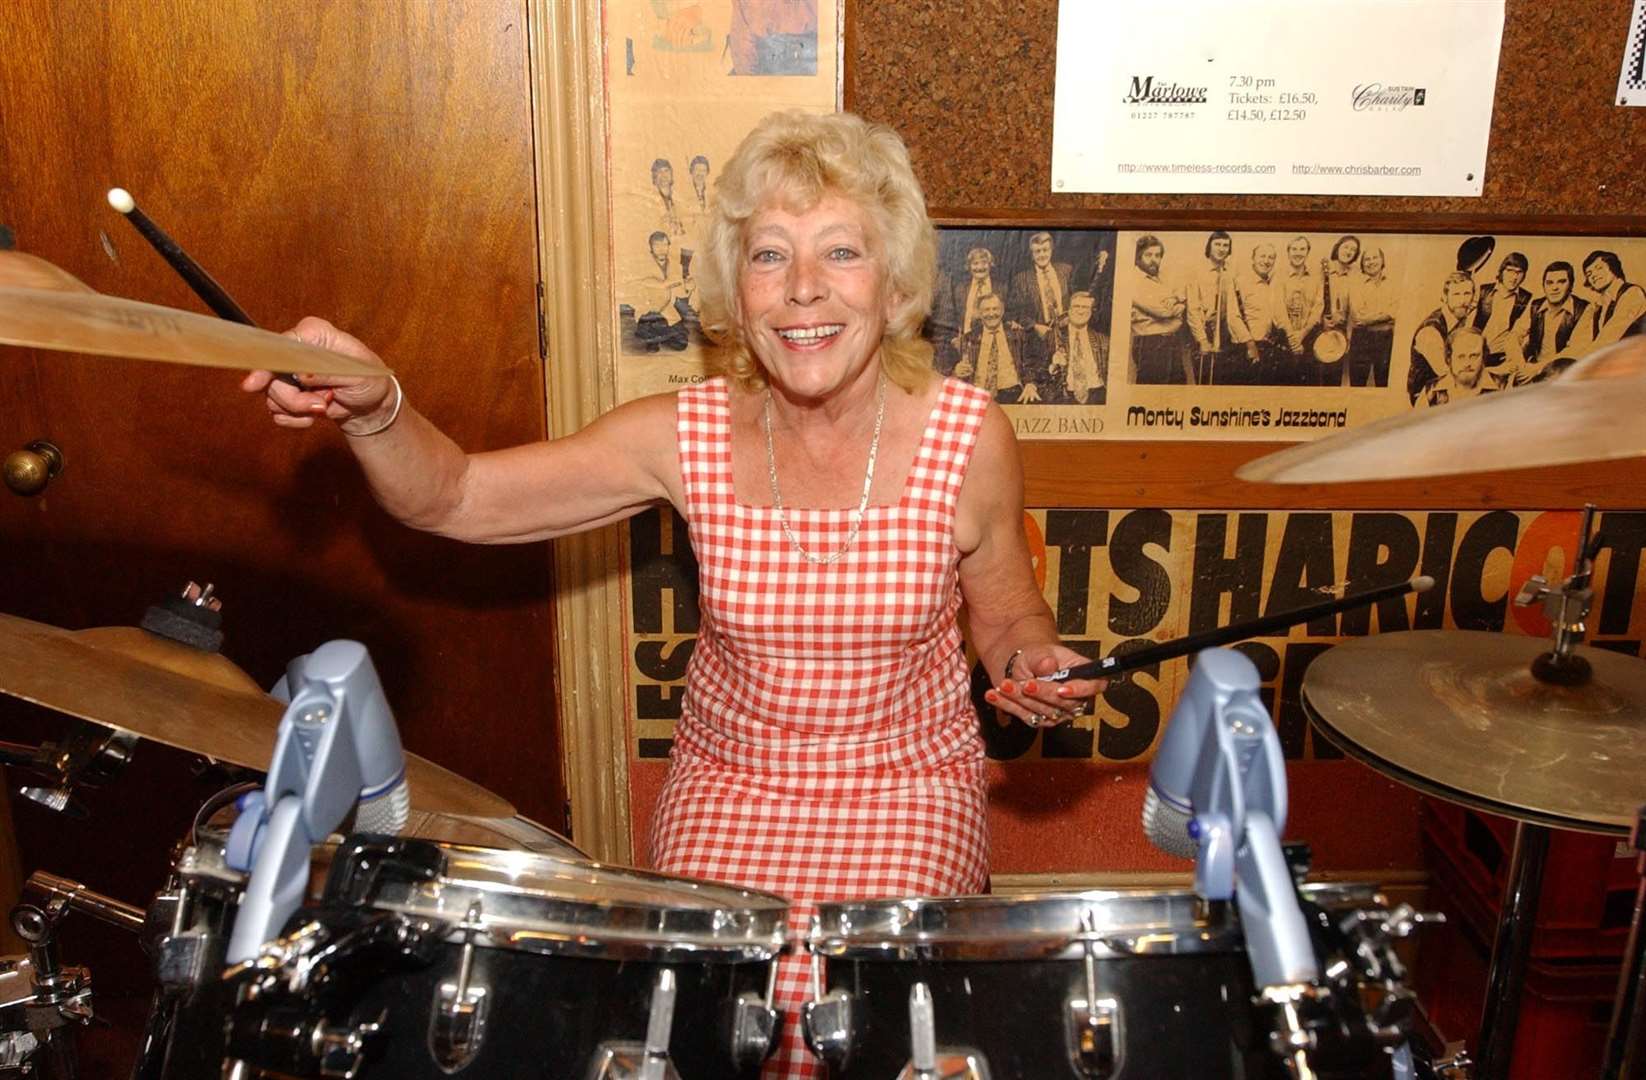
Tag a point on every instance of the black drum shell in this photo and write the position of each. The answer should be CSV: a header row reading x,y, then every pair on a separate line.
x,y
1185,1015
1179,1015
546,1019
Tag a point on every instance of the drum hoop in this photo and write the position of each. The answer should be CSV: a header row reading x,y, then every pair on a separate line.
x,y
1047,926
721,922
1027,926
519,908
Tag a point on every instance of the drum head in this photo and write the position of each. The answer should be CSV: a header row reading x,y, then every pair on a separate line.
x,y
569,906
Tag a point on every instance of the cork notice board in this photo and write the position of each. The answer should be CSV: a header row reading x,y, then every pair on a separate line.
x,y
970,87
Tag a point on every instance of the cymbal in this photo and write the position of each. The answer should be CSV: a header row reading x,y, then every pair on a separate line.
x,y
1590,413
126,678
31,272
1458,714
44,307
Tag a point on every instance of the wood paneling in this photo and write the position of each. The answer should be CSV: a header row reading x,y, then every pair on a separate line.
x,y
1200,476
369,162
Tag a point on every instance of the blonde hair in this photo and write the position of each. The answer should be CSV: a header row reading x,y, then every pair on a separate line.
x,y
798,159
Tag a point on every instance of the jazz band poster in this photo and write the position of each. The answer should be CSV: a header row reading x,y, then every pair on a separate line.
x,y
685,82
1216,334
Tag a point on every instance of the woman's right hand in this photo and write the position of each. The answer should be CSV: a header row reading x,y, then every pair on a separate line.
x,y
350,401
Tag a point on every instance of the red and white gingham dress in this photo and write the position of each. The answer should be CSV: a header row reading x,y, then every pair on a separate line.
x,y
827,747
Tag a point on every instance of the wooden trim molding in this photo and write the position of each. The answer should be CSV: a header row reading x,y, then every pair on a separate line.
x,y
1190,475
1169,881
1355,221
574,253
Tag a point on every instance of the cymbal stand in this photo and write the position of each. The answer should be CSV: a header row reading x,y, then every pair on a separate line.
x,y
50,995
89,754
1567,605
1626,1038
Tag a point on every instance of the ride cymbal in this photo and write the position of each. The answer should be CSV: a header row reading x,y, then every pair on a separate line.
x,y
129,679
43,307
1591,413
1458,714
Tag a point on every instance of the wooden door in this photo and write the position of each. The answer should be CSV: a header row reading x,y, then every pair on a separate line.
x,y
366,160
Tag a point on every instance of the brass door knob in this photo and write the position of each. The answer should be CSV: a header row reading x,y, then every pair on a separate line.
x,y
29,470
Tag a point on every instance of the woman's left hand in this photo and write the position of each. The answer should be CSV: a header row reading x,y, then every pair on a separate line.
x,y
1037,702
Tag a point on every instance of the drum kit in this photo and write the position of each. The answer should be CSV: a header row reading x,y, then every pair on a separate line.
x,y
472,942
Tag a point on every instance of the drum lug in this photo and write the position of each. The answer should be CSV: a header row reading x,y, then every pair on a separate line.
x,y
457,1025
342,1050
1091,1023
926,1061
826,1020
1093,1032
648,1060
754,1025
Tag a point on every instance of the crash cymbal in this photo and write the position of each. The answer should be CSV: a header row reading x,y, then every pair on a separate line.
x,y
129,679
43,307
1591,413
30,272
1458,714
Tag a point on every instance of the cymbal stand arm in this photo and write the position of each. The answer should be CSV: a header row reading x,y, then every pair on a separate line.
x,y
1567,607
1626,1037
62,894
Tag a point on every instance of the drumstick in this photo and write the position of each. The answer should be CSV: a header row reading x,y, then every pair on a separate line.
x,y
203,284
1111,666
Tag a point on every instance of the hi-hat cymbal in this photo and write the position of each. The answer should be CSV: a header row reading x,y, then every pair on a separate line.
x,y
41,307
1591,413
126,678
1458,714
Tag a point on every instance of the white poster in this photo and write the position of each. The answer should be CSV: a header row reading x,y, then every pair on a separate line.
x,y
1301,97
1631,80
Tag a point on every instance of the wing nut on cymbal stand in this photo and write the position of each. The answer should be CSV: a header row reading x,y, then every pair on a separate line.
x,y
1567,606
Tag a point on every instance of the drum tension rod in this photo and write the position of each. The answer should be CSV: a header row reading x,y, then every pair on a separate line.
x,y
926,1062
648,1060
458,1026
1093,1023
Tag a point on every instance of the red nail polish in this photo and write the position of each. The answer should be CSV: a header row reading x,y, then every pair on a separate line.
x,y
1007,687
1029,687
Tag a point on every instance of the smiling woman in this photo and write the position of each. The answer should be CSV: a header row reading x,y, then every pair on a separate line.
x,y
843,502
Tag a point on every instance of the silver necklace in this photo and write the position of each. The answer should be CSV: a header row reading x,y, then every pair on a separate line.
x,y
868,480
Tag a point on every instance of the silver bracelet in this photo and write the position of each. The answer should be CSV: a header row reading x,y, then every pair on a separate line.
x,y
394,414
1011,661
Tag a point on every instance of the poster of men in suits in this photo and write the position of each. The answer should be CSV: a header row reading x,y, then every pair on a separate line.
x,y
1025,314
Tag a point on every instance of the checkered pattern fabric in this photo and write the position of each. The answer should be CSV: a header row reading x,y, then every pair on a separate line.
x,y
827,748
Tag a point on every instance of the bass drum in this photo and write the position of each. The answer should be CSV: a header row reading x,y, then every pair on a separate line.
x,y
422,959
1124,985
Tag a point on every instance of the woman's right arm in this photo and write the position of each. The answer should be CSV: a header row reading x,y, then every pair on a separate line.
x,y
616,466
